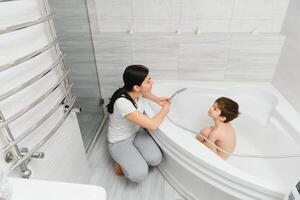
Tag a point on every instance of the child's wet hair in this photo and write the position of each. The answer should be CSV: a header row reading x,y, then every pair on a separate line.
x,y
228,107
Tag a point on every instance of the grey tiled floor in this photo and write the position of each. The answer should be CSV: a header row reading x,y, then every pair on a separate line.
x,y
154,187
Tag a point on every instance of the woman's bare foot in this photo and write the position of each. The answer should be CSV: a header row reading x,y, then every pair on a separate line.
x,y
118,169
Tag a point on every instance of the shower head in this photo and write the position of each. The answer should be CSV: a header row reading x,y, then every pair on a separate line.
x,y
177,92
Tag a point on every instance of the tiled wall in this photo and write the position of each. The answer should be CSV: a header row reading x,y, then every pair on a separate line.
x,y
208,15
226,48
65,158
217,57
287,76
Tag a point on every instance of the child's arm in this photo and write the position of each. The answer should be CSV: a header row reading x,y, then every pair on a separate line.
x,y
205,133
212,138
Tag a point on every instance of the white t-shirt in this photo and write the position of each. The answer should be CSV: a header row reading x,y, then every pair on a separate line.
x,y
120,128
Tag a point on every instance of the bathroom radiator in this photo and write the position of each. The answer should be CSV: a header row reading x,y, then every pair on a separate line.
x,y
17,156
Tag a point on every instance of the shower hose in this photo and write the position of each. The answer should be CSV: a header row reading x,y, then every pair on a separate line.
x,y
274,156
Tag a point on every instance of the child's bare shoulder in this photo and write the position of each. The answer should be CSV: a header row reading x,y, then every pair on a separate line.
x,y
206,130
222,132
216,132
226,131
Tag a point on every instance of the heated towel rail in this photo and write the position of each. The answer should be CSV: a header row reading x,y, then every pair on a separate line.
x,y
21,156
25,25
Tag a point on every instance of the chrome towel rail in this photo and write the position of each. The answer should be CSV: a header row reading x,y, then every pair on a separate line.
x,y
33,80
45,139
32,105
15,151
64,103
29,56
7,0
40,122
4,30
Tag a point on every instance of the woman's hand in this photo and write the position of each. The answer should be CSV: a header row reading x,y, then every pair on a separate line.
x,y
151,123
166,107
159,100
162,100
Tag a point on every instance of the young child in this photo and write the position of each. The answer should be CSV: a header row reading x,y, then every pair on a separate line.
x,y
222,133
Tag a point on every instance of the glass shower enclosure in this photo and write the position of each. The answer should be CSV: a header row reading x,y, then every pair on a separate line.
x,y
71,22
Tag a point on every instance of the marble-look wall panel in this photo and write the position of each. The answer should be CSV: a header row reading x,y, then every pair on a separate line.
x,y
145,9
253,58
224,49
260,25
206,25
111,78
203,57
113,54
114,25
188,15
159,52
116,9
219,56
113,48
154,25
259,9
287,76
204,9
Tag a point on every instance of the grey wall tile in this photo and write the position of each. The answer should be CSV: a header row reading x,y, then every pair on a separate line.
x,y
206,25
113,48
158,52
249,72
144,9
208,56
215,54
203,57
211,72
253,57
202,9
210,16
116,9
257,9
155,25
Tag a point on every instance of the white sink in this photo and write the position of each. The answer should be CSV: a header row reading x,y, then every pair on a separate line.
x,y
28,189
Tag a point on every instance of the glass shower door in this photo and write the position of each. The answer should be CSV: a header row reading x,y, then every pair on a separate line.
x,y
72,24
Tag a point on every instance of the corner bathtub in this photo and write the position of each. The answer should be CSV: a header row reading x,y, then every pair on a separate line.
x,y
267,125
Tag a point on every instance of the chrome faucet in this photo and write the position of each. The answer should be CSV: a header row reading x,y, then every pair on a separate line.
x,y
25,172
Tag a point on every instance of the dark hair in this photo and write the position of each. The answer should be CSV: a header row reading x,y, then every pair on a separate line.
x,y
133,75
228,107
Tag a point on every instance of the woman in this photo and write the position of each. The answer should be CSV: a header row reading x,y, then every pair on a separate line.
x,y
130,145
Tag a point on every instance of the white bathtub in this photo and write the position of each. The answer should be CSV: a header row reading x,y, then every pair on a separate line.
x,y
267,125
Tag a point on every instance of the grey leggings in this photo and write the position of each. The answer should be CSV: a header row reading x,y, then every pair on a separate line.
x,y
135,154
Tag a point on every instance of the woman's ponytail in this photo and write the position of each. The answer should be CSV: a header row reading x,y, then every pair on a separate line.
x,y
121,92
117,94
